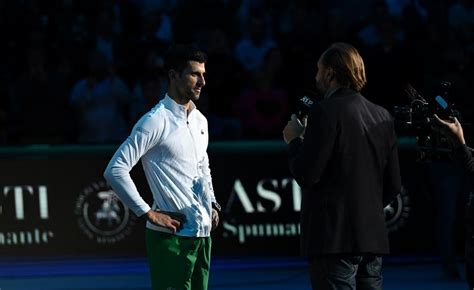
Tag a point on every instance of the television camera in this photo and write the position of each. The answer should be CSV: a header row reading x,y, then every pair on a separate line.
x,y
416,120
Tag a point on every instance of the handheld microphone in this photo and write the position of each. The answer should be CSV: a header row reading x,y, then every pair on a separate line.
x,y
304,106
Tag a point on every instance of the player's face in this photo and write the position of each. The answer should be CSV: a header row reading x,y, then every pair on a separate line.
x,y
191,80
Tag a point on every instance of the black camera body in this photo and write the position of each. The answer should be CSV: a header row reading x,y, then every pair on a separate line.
x,y
417,120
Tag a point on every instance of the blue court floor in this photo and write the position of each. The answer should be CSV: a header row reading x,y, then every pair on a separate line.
x,y
226,273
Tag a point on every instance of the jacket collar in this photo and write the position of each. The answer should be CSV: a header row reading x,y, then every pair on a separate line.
x,y
339,91
331,92
177,109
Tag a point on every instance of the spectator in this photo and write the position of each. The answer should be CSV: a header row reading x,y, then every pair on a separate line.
x,y
461,19
37,102
227,76
149,88
250,50
101,101
263,107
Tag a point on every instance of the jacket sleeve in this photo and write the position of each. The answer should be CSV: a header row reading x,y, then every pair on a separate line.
x,y
392,184
125,158
208,178
308,157
206,170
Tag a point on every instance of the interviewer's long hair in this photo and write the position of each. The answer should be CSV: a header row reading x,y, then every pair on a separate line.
x,y
347,64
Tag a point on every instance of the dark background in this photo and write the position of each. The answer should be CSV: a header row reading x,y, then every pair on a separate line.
x,y
262,59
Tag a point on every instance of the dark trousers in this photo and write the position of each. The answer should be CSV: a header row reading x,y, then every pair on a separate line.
x,y
469,256
449,189
336,272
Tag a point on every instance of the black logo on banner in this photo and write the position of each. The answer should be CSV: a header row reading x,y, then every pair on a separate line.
x,y
102,216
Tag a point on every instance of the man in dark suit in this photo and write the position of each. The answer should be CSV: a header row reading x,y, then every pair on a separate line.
x,y
346,161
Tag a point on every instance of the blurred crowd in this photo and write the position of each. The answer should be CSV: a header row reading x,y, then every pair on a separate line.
x,y
84,71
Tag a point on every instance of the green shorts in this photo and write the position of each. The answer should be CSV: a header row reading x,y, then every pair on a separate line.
x,y
178,263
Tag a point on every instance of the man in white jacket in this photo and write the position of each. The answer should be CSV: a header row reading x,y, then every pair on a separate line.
x,y
171,141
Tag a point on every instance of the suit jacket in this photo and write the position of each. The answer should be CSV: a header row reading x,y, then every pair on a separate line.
x,y
463,156
347,166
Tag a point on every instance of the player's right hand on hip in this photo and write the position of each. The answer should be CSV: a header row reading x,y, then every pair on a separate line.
x,y
171,220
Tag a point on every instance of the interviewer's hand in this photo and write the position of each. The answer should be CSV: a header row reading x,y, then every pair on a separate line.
x,y
452,129
169,220
294,129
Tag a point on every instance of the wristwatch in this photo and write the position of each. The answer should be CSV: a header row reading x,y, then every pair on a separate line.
x,y
216,206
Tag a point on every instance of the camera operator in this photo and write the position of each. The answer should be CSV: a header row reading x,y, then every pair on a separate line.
x,y
453,130
445,181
